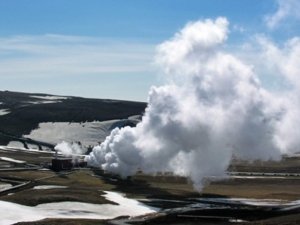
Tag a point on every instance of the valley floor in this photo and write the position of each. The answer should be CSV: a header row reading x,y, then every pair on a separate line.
x,y
25,182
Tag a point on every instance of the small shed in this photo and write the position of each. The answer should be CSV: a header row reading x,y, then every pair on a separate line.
x,y
59,164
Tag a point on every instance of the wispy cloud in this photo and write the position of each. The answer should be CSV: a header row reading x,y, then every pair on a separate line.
x,y
286,9
57,55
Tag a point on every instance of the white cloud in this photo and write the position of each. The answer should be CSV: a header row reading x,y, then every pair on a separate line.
x,y
285,9
284,61
175,52
238,28
279,63
212,108
59,55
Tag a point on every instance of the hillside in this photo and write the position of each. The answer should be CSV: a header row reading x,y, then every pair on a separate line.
x,y
20,113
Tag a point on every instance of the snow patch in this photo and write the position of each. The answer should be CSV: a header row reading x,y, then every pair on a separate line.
x,y
30,150
13,213
49,97
4,186
15,144
41,102
12,160
247,201
88,133
46,187
4,112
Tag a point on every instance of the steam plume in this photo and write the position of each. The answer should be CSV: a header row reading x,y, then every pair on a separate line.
x,y
284,61
212,108
69,149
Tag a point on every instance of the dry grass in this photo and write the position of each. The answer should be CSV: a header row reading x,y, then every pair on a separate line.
x,y
88,186
29,175
282,220
286,189
81,187
29,157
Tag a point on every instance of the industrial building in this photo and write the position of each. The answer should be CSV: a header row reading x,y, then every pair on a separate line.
x,y
59,164
63,163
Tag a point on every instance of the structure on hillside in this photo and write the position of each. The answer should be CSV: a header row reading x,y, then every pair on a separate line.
x,y
62,163
59,164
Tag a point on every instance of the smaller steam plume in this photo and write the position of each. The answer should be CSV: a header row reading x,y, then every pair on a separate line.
x,y
69,149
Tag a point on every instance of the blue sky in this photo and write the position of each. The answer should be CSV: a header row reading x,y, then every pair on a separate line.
x,y
106,48
134,19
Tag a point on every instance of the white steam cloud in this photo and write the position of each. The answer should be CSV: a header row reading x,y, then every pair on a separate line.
x,y
69,149
284,61
212,109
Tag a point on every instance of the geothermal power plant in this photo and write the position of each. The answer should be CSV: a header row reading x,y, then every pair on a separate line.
x,y
216,140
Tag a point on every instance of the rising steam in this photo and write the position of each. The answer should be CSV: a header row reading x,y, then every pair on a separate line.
x,y
213,108
69,149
